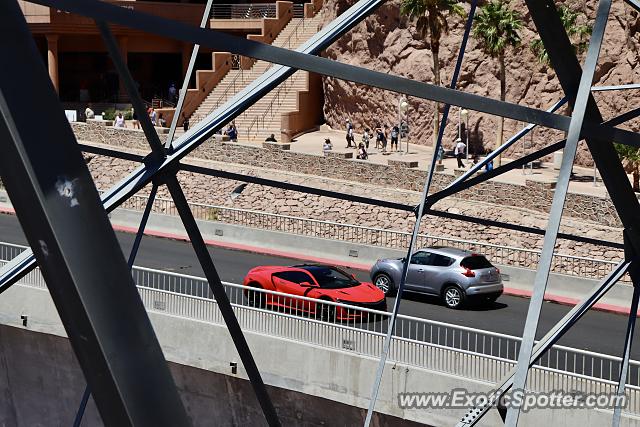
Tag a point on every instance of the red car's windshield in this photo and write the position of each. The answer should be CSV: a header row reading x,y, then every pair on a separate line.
x,y
330,277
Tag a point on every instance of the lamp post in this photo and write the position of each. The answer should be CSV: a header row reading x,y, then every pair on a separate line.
x,y
403,106
464,115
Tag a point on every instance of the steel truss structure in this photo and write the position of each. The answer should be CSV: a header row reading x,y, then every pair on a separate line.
x,y
66,224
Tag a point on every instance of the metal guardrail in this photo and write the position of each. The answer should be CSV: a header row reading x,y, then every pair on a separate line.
x,y
458,350
243,11
502,255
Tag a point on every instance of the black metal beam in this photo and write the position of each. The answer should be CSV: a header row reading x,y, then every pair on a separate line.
x,y
224,42
60,211
222,300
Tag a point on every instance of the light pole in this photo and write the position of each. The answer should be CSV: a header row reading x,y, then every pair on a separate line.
x,y
403,106
464,115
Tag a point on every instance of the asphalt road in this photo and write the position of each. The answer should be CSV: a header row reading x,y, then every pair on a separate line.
x,y
598,331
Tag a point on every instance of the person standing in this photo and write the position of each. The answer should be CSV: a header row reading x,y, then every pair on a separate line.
x,y
153,116
395,131
384,138
366,137
173,93
88,113
271,138
120,123
185,122
459,151
134,117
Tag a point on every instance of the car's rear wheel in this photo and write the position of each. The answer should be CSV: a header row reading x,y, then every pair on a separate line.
x,y
384,282
453,296
256,298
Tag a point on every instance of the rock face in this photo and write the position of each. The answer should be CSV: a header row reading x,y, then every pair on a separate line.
x,y
388,42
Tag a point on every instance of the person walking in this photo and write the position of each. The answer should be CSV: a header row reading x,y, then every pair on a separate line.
x,y
232,132
384,138
173,93
379,136
349,134
459,151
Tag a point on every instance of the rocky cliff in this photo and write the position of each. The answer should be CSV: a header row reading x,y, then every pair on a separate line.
x,y
388,42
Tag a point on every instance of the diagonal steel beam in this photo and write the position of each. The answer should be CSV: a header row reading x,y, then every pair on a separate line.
x,y
298,60
416,227
553,336
130,86
143,175
60,211
222,300
187,78
158,154
557,206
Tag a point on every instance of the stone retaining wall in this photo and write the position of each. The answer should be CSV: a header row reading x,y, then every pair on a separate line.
x,y
535,195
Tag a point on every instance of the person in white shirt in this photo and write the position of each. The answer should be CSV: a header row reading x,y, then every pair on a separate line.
x,y
460,151
120,121
88,113
327,146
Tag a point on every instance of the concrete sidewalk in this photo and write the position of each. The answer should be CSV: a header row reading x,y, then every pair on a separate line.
x,y
311,143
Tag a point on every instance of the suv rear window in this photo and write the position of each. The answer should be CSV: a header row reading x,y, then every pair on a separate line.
x,y
475,262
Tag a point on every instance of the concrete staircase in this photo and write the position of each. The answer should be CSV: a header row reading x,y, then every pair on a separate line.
x,y
264,117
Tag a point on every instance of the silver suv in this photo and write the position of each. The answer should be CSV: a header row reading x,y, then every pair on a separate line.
x,y
454,275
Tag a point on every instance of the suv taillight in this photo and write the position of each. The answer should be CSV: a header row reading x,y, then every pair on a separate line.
x,y
468,273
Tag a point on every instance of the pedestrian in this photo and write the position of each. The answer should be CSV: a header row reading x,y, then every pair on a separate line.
x,y
362,152
349,134
379,136
395,131
326,146
489,166
185,122
173,93
134,117
384,138
232,132
88,113
120,123
161,121
365,137
153,116
440,154
271,138
459,151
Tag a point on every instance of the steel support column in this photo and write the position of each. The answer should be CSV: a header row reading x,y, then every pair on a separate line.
x,y
60,211
557,206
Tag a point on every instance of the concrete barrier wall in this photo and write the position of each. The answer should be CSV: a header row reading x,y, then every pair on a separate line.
x,y
306,380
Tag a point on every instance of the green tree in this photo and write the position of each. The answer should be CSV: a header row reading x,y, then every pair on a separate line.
x,y
577,27
630,157
497,27
431,21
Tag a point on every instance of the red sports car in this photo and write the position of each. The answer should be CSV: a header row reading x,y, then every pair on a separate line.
x,y
320,282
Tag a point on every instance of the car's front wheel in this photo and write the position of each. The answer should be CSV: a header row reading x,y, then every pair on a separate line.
x,y
384,282
453,296
256,298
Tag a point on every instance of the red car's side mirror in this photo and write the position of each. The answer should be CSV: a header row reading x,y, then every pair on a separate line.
x,y
306,285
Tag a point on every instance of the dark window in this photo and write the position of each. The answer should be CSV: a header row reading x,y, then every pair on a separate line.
x,y
440,260
421,258
294,276
475,262
331,277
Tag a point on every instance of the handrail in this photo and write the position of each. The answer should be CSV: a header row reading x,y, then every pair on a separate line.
x,y
579,371
232,84
243,11
281,87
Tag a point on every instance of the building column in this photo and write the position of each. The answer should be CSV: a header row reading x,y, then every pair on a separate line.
x,y
187,49
123,45
52,59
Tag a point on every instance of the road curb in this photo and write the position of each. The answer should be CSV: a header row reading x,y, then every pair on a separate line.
x,y
609,308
